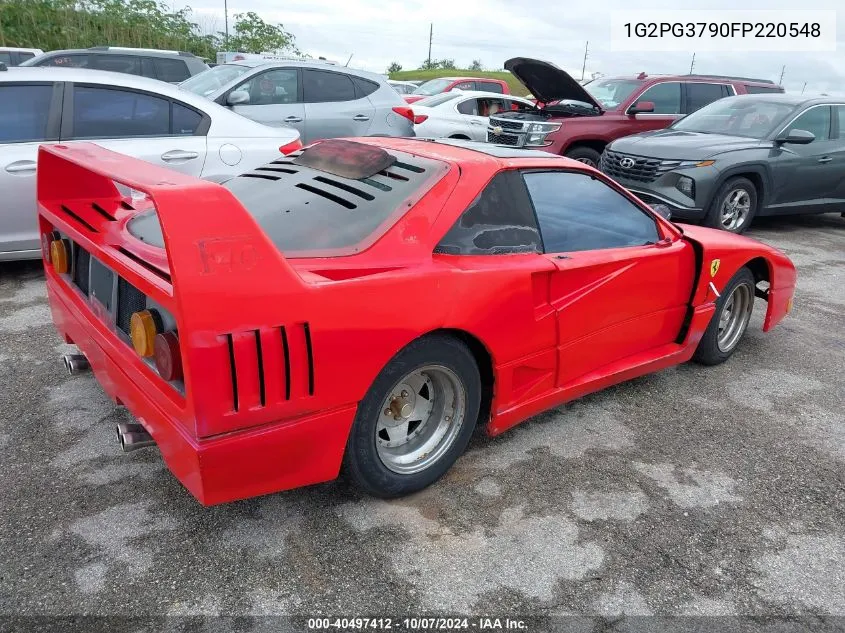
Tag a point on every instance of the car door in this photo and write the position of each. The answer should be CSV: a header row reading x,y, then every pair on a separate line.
x,y
471,119
622,287
29,117
332,107
666,97
273,97
137,123
807,177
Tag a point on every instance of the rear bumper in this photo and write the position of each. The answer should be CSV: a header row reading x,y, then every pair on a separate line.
x,y
237,465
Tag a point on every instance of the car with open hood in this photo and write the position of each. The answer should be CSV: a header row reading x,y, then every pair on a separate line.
x,y
738,158
579,121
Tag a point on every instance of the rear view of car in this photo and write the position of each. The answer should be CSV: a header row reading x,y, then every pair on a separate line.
x,y
319,100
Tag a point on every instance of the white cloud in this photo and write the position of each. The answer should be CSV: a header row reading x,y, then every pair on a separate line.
x,y
376,32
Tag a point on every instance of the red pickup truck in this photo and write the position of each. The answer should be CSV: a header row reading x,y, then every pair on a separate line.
x,y
445,84
579,121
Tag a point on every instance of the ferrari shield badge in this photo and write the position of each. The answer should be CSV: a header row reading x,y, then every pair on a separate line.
x,y
714,267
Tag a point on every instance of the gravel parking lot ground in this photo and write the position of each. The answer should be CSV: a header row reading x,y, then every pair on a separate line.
x,y
708,491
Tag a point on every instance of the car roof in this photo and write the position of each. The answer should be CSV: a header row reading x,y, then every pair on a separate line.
x,y
724,78
113,50
787,98
461,150
485,93
255,63
105,77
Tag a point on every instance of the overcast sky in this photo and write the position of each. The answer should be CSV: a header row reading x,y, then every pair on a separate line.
x,y
377,32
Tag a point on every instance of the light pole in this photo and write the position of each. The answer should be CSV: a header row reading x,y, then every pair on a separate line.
x,y
226,19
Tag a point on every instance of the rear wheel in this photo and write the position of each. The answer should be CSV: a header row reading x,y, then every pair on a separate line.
x,y
730,321
416,419
585,155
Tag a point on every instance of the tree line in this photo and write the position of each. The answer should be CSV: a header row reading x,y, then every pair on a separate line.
x,y
435,64
60,24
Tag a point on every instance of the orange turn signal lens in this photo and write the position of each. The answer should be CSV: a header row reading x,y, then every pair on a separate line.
x,y
143,328
789,306
705,163
59,256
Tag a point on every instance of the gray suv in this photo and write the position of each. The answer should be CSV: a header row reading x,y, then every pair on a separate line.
x,y
170,66
738,157
321,100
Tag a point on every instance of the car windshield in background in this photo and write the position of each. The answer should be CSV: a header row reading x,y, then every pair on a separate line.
x,y
611,93
213,79
433,87
436,100
738,116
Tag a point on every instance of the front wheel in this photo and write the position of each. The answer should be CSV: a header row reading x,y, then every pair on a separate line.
x,y
585,155
733,206
729,322
416,419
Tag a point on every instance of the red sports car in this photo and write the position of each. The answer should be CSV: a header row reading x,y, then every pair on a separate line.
x,y
366,304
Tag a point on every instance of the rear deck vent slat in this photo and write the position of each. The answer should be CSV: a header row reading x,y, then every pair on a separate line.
x,y
328,196
108,216
414,168
234,371
375,183
390,174
79,219
262,176
126,205
347,188
144,264
278,170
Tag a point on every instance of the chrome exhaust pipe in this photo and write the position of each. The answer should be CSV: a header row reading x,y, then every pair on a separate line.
x,y
123,428
133,441
75,363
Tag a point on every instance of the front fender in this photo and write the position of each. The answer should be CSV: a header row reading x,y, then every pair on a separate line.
x,y
723,254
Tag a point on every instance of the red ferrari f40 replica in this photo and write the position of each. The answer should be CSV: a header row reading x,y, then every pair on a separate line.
x,y
363,305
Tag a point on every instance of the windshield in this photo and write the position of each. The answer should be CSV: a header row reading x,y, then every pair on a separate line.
x,y
213,79
737,116
433,87
436,100
611,93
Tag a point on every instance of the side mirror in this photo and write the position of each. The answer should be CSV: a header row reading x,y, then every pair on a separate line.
x,y
662,210
238,97
641,107
796,137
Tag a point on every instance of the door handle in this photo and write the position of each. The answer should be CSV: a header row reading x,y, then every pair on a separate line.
x,y
21,166
825,159
178,154
360,117
293,119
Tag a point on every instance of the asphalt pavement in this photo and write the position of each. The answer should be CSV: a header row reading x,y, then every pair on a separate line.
x,y
699,491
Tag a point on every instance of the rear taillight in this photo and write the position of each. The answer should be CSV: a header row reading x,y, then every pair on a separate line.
x,y
290,147
167,357
405,111
60,256
143,328
419,118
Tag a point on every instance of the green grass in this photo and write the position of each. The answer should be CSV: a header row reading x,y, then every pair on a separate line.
x,y
413,75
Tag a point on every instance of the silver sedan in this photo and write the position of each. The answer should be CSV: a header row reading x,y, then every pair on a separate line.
x,y
462,114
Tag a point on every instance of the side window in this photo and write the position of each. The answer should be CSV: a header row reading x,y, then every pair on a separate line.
x,y
470,106
757,90
171,70
274,87
578,212
700,95
79,60
464,85
666,97
25,56
128,64
110,113
489,86
320,86
499,221
365,87
815,120
840,115
21,125
185,120
147,68
6,58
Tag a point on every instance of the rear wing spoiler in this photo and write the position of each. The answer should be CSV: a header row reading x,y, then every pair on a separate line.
x,y
225,279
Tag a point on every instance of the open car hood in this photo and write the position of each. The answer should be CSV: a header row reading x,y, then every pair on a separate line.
x,y
547,82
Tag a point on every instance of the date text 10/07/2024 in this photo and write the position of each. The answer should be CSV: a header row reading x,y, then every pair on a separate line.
x,y
418,624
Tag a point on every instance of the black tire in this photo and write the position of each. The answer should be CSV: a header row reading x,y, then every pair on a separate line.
x,y
585,155
708,351
361,461
714,218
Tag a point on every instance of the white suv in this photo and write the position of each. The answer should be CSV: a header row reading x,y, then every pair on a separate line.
x,y
141,117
